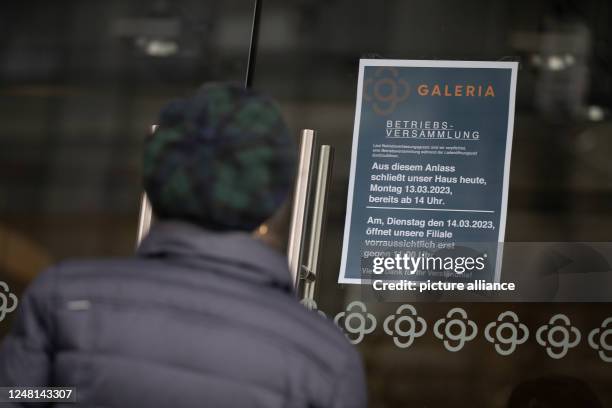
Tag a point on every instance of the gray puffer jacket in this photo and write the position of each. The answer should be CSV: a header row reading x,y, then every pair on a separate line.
x,y
197,319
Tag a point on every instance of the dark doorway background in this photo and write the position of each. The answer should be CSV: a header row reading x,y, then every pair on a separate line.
x,y
80,85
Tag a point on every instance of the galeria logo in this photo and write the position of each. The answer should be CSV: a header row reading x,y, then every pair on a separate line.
x,y
455,331
356,321
8,301
385,90
405,327
599,340
558,338
506,333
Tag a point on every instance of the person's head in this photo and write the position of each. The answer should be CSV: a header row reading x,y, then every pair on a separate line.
x,y
223,159
553,391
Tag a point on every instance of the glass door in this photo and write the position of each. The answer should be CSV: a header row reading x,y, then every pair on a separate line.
x,y
560,188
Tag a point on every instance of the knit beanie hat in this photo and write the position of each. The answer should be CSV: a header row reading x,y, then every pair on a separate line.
x,y
223,159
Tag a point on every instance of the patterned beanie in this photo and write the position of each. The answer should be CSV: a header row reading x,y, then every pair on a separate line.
x,y
223,159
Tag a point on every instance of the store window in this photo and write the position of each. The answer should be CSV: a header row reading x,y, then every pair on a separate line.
x,y
81,83
559,191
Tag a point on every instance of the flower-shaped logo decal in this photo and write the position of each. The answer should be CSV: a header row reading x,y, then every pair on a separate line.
x,y
558,338
599,338
406,327
506,333
356,321
455,331
385,91
8,301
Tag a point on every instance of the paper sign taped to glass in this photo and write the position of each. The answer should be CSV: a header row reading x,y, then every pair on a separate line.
x,y
430,167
